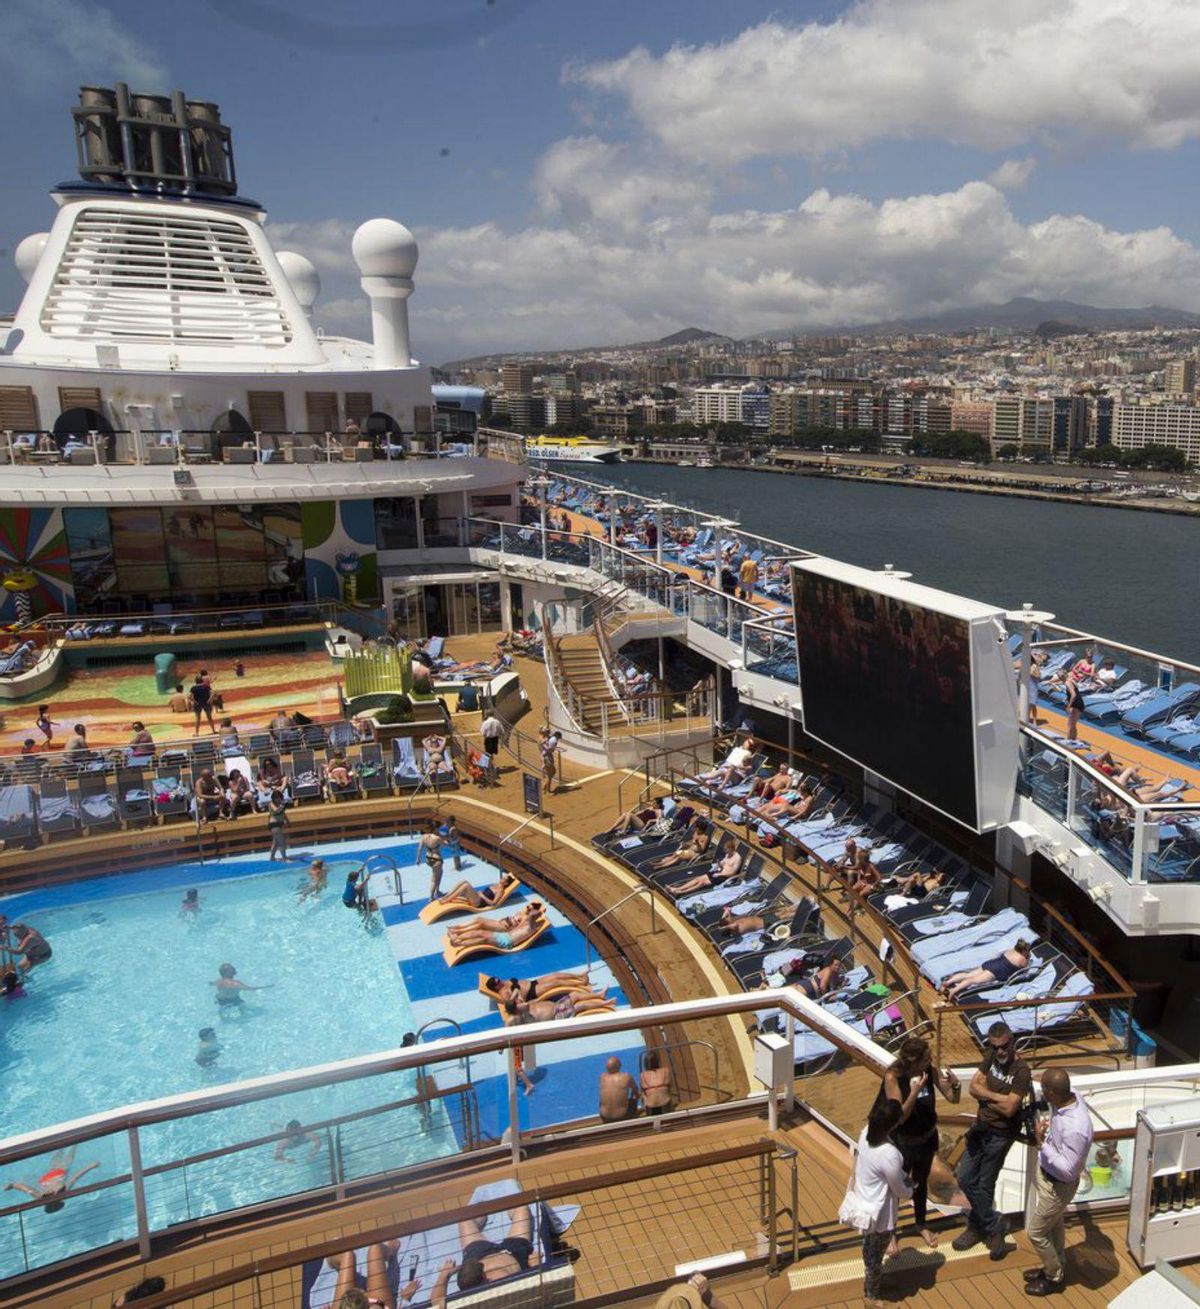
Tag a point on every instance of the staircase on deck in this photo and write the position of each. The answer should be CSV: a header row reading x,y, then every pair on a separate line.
x,y
581,666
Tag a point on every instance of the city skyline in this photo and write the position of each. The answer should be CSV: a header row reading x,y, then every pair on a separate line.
x,y
612,173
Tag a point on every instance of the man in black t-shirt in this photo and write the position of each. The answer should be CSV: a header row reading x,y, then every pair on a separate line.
x,y
1001,1083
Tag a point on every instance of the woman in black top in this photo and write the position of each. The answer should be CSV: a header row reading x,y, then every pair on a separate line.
x,y
202,701
910,1081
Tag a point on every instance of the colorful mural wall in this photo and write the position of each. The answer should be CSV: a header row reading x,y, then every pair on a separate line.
x,y
340,560
35,570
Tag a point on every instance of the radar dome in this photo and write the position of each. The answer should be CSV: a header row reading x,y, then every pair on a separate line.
x,y
383,247
29,252
302,277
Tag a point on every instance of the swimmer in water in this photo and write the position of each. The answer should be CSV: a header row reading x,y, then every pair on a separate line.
x,y
296,1137
54,1185
209,1049
229,989
189,907
10,986
318,876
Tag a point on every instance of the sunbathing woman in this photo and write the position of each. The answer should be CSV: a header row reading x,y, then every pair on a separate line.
x,y
823,980
503,933
465,893
729,865
635,820
921,883
538,986
792,802
866,876
992,972
695,847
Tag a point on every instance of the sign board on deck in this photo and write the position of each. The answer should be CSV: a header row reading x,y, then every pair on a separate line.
x,y
533,793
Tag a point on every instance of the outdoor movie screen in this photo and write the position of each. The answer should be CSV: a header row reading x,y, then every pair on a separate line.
x,y
888,683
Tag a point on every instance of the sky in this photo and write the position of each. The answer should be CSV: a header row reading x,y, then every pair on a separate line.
x,y
583,173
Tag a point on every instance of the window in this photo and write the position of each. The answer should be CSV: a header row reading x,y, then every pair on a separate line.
x,y
491,502
322,411
358,406
268,412
18,409
396,523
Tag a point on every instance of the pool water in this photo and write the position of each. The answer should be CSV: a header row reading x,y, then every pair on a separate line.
x,y
114,1018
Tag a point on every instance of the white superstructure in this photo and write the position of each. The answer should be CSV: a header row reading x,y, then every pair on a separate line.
x,y
162,306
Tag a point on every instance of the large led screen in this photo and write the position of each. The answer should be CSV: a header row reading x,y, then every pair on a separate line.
x,y
887,682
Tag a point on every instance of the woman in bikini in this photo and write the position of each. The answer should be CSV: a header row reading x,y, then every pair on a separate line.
x,y
503,933
695,847
866,877
819,983
512,989
487,898
55,1184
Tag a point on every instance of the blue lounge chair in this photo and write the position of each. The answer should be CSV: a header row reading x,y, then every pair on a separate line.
x,y
1162,707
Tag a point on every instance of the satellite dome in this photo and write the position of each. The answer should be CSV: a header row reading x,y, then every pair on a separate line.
x,y
302,277
383,247
29,252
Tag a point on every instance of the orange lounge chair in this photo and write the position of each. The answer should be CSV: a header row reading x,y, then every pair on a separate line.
x,y
456,954
440,908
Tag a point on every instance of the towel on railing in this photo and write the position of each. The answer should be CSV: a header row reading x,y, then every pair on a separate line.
x,y
99,808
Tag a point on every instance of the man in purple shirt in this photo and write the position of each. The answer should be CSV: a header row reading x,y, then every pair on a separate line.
x,y
1064,1141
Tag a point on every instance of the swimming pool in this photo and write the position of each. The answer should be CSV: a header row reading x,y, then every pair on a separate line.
x,y
114,1018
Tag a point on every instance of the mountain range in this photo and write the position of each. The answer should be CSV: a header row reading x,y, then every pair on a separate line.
x,y
1023,313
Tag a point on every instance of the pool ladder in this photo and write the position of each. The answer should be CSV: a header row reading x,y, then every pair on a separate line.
x,y
386,863
449,1022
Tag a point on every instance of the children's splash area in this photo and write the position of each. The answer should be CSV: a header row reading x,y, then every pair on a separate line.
x,y
137,1004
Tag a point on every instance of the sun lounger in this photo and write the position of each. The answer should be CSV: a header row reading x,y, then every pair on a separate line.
x,y
97,802
455,955
1062,1004
171,798
133,797
436,909
405,769
1162,707
372,773
306,777
57,810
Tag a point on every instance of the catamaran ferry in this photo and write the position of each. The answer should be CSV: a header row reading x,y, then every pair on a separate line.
x,y
572,450
426,884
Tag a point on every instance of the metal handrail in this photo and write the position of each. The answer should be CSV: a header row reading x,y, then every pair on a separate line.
x,y
380,857
645,889
449,1022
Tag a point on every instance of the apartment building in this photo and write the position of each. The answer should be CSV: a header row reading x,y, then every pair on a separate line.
x,y
1180,378
717,404
1137,425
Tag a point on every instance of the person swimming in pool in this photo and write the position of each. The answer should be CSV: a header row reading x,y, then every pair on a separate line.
x,y
354,893
318,878
209,1049
504,933
189,906
229,989
55,1184
486,898
297,1135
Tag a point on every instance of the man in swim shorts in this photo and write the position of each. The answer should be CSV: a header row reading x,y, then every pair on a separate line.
x,y
618,1093
486,1261
229,989
209,1049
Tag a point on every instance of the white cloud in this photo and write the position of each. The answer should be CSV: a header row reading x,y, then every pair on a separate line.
x,y
1013,174
590,183
834,260
971,72
41,41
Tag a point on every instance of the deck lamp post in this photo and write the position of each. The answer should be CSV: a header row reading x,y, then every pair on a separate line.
x,y
543,485
1029,619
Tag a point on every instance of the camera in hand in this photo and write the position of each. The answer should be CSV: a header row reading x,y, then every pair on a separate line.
x,y
1029,1113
